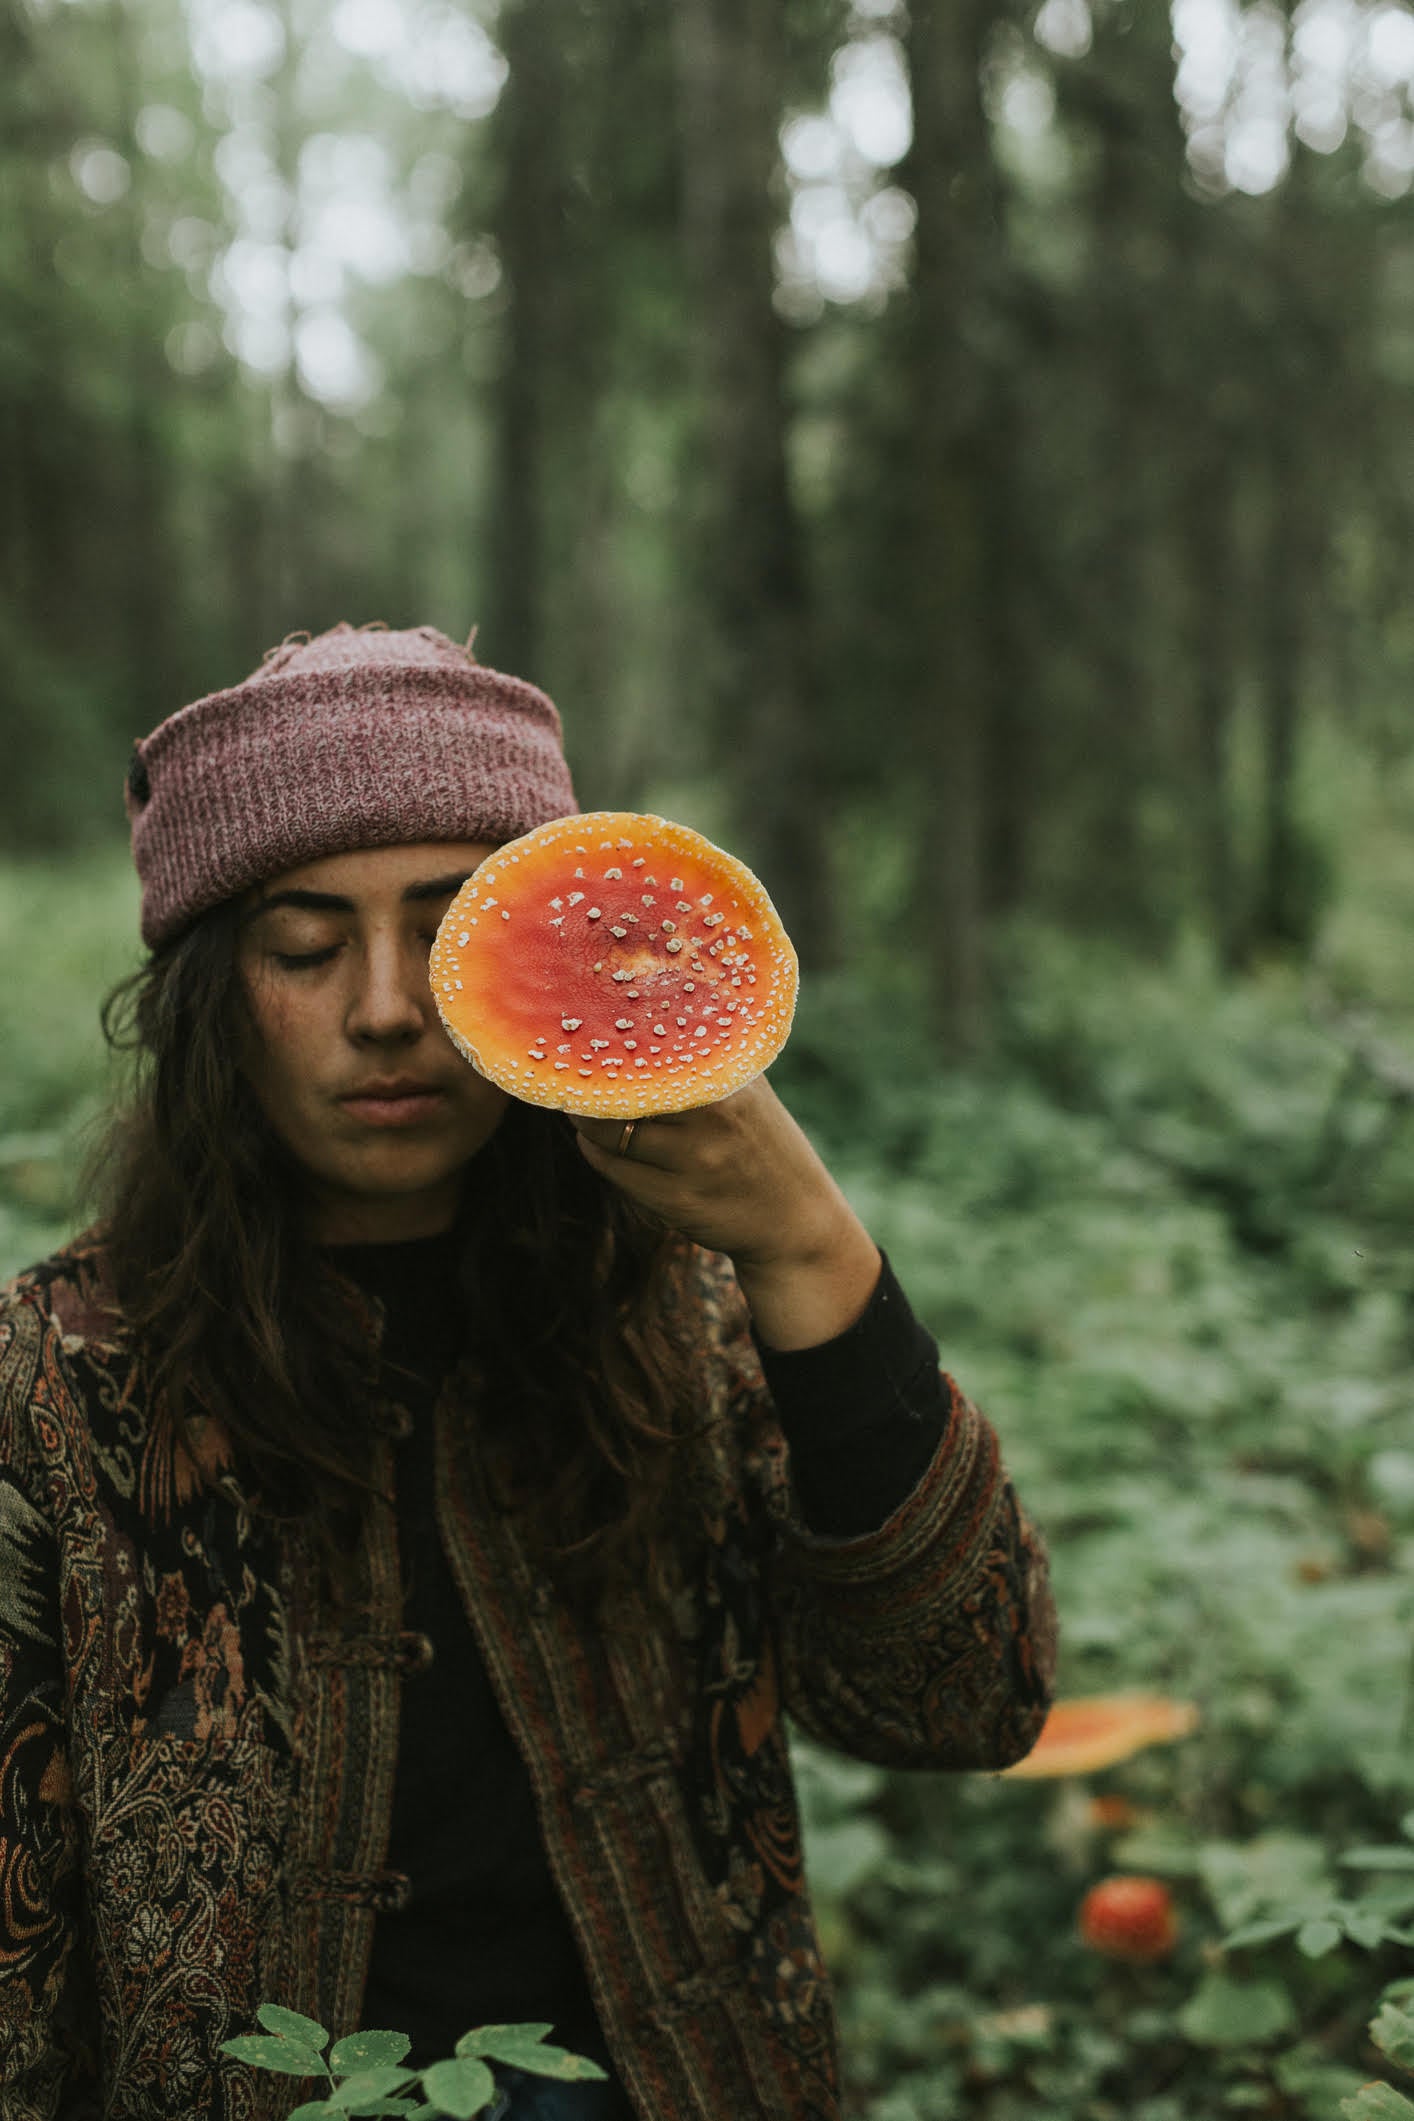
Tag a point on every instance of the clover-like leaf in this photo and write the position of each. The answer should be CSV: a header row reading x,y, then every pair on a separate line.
x,y
491,2039
367,2088
291,2025
269,2051
368,2051
459,2088
557,2062
1315,1939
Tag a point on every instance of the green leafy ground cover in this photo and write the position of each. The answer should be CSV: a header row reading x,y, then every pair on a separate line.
x,y
1168,1241
1166,1237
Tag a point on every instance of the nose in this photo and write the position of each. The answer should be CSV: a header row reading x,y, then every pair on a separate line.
x,y
391,1000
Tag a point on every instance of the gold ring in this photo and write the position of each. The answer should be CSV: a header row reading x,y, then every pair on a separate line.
x,y
625,1141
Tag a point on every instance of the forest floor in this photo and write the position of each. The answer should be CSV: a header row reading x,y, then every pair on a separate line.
x,y
1166,1238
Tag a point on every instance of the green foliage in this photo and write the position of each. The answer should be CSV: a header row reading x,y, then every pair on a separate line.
x,y
1392,2030
365,2077
1147,1243
1228,2013
67,935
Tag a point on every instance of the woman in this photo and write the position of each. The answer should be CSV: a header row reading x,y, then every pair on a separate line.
x,y
418,1512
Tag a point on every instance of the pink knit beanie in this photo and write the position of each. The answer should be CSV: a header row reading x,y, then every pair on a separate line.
x,y
358,738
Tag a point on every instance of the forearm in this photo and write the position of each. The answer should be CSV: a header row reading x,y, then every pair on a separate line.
x,y
817,1286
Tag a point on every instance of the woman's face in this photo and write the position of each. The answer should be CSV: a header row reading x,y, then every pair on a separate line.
x,y
349,1062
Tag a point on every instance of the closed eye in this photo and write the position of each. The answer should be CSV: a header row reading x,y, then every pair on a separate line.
x,y
298,961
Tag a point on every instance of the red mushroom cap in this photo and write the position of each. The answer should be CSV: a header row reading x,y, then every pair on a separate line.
x,y
617,965
1082,1735
1129,1918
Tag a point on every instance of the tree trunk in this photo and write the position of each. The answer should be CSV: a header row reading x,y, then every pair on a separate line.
x,y
1280,919
955,187
145,586
757,669
528,227
1292,540
1207,559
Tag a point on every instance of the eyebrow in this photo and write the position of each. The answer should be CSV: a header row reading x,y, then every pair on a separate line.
x,y
333,902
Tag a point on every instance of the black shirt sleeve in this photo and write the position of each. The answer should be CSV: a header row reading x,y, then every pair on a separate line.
x,y
863,1414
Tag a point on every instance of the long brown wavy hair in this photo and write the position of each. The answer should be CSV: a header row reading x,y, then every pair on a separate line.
x,y
579,1345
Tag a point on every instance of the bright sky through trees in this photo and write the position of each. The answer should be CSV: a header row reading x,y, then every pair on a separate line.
x,y
284,276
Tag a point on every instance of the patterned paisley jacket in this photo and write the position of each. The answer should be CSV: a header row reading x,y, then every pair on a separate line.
x,y
196,1759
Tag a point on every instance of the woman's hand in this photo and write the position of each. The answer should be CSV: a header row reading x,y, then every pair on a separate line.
x,y
740,1177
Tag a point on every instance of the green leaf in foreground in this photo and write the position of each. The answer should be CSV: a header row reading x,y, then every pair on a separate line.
x,y
1393,2030
1378,2102
1379,1859
268,2051
524,2047
368,2051
290,2025
493,2040
461,2088
1317,1938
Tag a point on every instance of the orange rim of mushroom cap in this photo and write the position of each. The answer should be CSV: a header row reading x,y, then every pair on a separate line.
x,y
1081,1736
614,964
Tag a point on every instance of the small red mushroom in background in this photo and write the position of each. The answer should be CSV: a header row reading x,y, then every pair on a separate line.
x,y
1113,1814
1129,1918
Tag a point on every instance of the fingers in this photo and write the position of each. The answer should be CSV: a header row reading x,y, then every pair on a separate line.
x,y
644,1141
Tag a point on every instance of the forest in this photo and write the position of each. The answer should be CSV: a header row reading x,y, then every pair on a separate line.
x,y
958,454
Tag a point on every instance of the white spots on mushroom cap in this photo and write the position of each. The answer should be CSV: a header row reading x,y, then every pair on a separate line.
x,y
462,940
612,875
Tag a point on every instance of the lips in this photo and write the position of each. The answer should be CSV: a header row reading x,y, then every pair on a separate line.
x,y
393,1101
